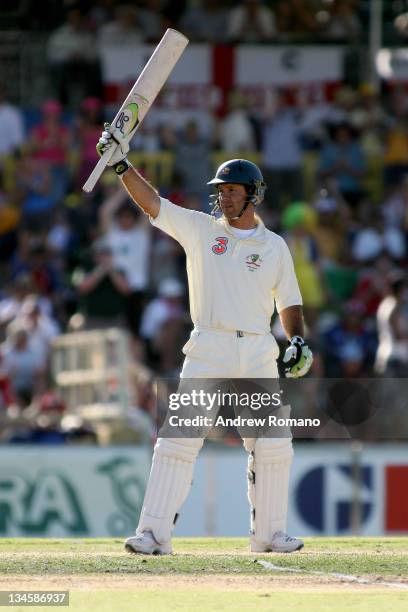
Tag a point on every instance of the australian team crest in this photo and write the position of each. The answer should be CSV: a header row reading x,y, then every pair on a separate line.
x,y
253,262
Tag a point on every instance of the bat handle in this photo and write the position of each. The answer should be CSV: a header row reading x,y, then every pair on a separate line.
x,y
97,171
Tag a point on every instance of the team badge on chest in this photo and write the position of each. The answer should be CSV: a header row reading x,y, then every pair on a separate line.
x,y
253,262
221,245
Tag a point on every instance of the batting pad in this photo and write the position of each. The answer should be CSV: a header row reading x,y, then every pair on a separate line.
x,y
269,465
170,480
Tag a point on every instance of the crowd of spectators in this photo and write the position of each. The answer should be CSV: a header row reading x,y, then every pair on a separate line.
x,y
243,21
337,176
64,254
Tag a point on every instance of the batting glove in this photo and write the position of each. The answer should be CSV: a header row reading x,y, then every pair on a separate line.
x,y
111,140
298,358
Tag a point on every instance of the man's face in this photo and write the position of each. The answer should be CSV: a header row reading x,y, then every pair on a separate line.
x,y
232,198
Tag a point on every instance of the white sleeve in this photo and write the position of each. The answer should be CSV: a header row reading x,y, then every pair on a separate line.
x,y
286,291
180,223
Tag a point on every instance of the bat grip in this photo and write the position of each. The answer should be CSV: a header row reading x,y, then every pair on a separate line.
x,y
97,171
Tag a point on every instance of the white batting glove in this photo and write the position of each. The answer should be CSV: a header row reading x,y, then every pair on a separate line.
x,y
298,358
112,140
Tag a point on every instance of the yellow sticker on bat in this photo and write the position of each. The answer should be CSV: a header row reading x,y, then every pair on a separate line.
x,y
128,119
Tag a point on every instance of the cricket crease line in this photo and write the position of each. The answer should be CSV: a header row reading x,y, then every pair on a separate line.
x,y
342,577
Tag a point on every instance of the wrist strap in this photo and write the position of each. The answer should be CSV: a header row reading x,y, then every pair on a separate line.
x,y
122,166
297,340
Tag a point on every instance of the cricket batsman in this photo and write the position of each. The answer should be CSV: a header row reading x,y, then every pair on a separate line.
x,y
238,270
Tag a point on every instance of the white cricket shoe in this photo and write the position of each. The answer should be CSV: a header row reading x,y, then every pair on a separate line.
x,y
145,544
281,543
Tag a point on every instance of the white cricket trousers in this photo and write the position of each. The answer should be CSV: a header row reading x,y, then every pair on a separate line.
x,y
220,354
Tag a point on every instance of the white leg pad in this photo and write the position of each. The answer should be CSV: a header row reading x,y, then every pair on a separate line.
x,y
169,483
269,465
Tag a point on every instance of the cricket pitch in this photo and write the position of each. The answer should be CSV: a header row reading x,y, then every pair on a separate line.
x,y
211,574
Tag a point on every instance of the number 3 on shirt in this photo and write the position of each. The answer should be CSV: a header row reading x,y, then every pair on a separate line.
x,y
221,245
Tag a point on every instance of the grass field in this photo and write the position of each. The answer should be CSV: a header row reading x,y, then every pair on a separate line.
x,y
211,574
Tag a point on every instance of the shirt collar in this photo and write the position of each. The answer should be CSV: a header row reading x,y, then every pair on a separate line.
x,y
257,236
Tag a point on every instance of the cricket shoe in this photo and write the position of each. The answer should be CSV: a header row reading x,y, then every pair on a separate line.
x,y
281,543
144,544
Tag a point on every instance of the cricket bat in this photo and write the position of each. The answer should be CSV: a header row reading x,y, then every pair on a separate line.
x,y
143,94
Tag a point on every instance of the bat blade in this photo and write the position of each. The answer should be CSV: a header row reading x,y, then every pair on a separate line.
x,y
143,93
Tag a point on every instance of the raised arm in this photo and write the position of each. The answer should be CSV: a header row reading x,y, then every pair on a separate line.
x,y
141,192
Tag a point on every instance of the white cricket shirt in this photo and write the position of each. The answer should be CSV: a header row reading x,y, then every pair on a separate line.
x,y
233,283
